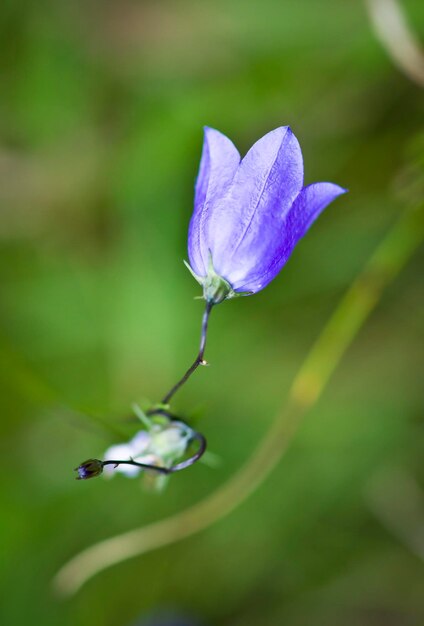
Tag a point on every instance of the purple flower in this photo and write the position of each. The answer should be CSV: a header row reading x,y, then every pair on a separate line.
x,y
250,213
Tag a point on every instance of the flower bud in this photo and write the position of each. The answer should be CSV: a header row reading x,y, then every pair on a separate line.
x,y
89,469
170,442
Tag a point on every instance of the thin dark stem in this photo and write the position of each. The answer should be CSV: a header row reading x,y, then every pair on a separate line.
x,y
93,467
198,360
171,416
156,468
193,459
167,470
162,409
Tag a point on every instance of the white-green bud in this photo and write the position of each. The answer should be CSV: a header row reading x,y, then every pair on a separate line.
x,y
170,443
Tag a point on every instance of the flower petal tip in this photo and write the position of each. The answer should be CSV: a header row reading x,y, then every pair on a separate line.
x,y
209,131
338,189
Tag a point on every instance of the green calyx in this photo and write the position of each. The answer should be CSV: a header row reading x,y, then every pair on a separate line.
x,y
215,288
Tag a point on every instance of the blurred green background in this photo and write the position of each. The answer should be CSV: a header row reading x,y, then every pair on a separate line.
x,y
101,114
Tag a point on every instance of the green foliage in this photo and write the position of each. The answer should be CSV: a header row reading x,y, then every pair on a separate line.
x,y
102,106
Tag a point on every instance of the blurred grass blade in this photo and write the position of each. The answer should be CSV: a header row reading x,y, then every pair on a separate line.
x,y
397,38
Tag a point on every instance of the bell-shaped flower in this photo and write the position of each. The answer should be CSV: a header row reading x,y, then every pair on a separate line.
x,y
250,213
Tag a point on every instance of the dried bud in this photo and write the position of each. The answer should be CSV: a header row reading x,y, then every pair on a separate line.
x,y
89,469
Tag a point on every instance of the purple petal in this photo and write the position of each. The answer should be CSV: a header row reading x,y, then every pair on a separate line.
x,y
308,205
219,162
242,225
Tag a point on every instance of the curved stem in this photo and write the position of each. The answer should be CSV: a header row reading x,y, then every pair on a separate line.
x,y
197,361
166,470
193,459
348,318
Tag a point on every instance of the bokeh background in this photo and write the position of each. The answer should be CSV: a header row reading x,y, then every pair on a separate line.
x,y
101,114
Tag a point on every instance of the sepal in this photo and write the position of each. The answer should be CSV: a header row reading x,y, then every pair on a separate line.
x,y
216,289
